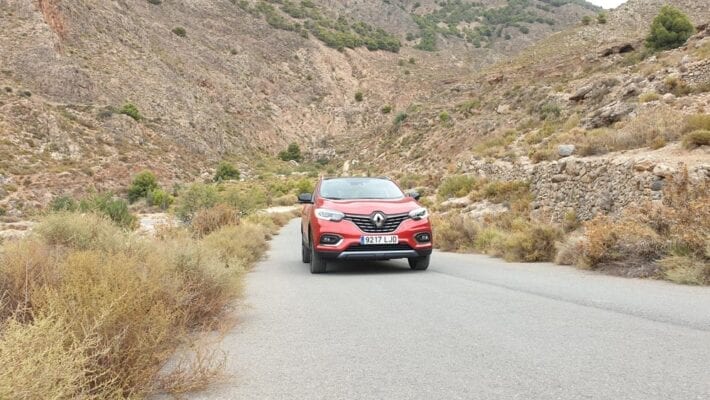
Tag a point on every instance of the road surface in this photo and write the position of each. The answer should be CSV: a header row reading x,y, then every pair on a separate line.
x,y
471,327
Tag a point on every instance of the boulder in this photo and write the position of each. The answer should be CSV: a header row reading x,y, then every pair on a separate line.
x,y
663,170
458,202
565,150
607,115
645,165
581,93
668,98
485,208
503,109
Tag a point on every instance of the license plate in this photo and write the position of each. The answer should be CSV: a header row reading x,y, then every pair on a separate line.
x,y
390,239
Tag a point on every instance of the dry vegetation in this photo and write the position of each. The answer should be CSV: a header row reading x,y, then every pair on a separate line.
x,y
91,310
666,241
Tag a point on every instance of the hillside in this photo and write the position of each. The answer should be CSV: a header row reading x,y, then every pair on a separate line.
x,y
93,91
593,85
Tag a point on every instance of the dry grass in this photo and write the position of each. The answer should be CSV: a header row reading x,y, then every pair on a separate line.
x,y
670,240
696,139
211,219
91,311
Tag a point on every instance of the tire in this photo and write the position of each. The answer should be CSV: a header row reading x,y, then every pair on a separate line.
x,y
318,263
305,253
419,263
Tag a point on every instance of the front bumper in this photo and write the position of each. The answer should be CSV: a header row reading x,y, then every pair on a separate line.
x,y
349,247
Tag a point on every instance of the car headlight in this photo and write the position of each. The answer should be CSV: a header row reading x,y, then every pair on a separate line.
x,y
329,215
419,213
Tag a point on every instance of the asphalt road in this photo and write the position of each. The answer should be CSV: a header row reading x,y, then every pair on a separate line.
x,y
471,327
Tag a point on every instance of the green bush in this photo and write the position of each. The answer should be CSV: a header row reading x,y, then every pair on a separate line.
x,y
114,208
226,171
444,116
180,31
63,203
143,183
386,109
293,152
131,110
159,198
401,117
670,29
456,186
358,96
195,197
601,18
696,139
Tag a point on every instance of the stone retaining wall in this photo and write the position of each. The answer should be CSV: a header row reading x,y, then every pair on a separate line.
x,y
589,186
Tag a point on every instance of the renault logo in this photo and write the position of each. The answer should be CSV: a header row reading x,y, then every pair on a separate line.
x,y
378,219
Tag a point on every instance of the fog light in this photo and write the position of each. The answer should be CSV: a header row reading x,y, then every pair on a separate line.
x,y
423,237
329,239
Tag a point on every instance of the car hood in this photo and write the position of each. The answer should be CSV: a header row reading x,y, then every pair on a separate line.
x,y
366,207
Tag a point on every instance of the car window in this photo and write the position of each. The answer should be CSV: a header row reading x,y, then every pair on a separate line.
x,y
359,188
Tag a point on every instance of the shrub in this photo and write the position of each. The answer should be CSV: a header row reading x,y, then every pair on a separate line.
x,y
536,242
194,198
648,97
358,96
586,20
686,270
243,243
160,198
696,139
143,183
607,242
155,2
456,186
670,29
63,203
386,109
601,18
401,117
226,171
131,110
245,199
114,208
211,219
180,31
697,122
293,152
444,116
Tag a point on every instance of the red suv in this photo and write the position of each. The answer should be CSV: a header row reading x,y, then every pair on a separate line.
x,y
363,219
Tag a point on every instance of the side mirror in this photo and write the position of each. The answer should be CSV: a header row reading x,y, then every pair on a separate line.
x,y
415,195
305,198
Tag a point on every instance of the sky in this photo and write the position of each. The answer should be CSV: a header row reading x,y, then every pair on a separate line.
x,y
607,3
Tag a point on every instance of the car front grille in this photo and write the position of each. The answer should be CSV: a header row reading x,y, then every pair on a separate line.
x,y
379,247
364,222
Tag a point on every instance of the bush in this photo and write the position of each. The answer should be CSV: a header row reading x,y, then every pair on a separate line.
x,y
160,198
686,270
456,186
601,18
534,243
648,97
401,117
63,203
358,96
386,109
245,199
131,110
211,219
670,29
114,208
226,171
180,31
629,241
696,139
97,312
143,183
697,122
444,116
293,152
194,198
586,20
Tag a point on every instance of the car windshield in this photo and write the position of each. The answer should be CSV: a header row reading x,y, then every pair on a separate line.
x,y
359,188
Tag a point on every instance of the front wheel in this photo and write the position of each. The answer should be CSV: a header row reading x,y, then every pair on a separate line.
x,y
317,262
305,253
419,263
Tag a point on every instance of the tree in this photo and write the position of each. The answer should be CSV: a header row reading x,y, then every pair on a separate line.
x,y
670,29
143,183
225,171
293,152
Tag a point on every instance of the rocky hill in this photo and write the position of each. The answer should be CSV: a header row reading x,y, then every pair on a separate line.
x,y
92,91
